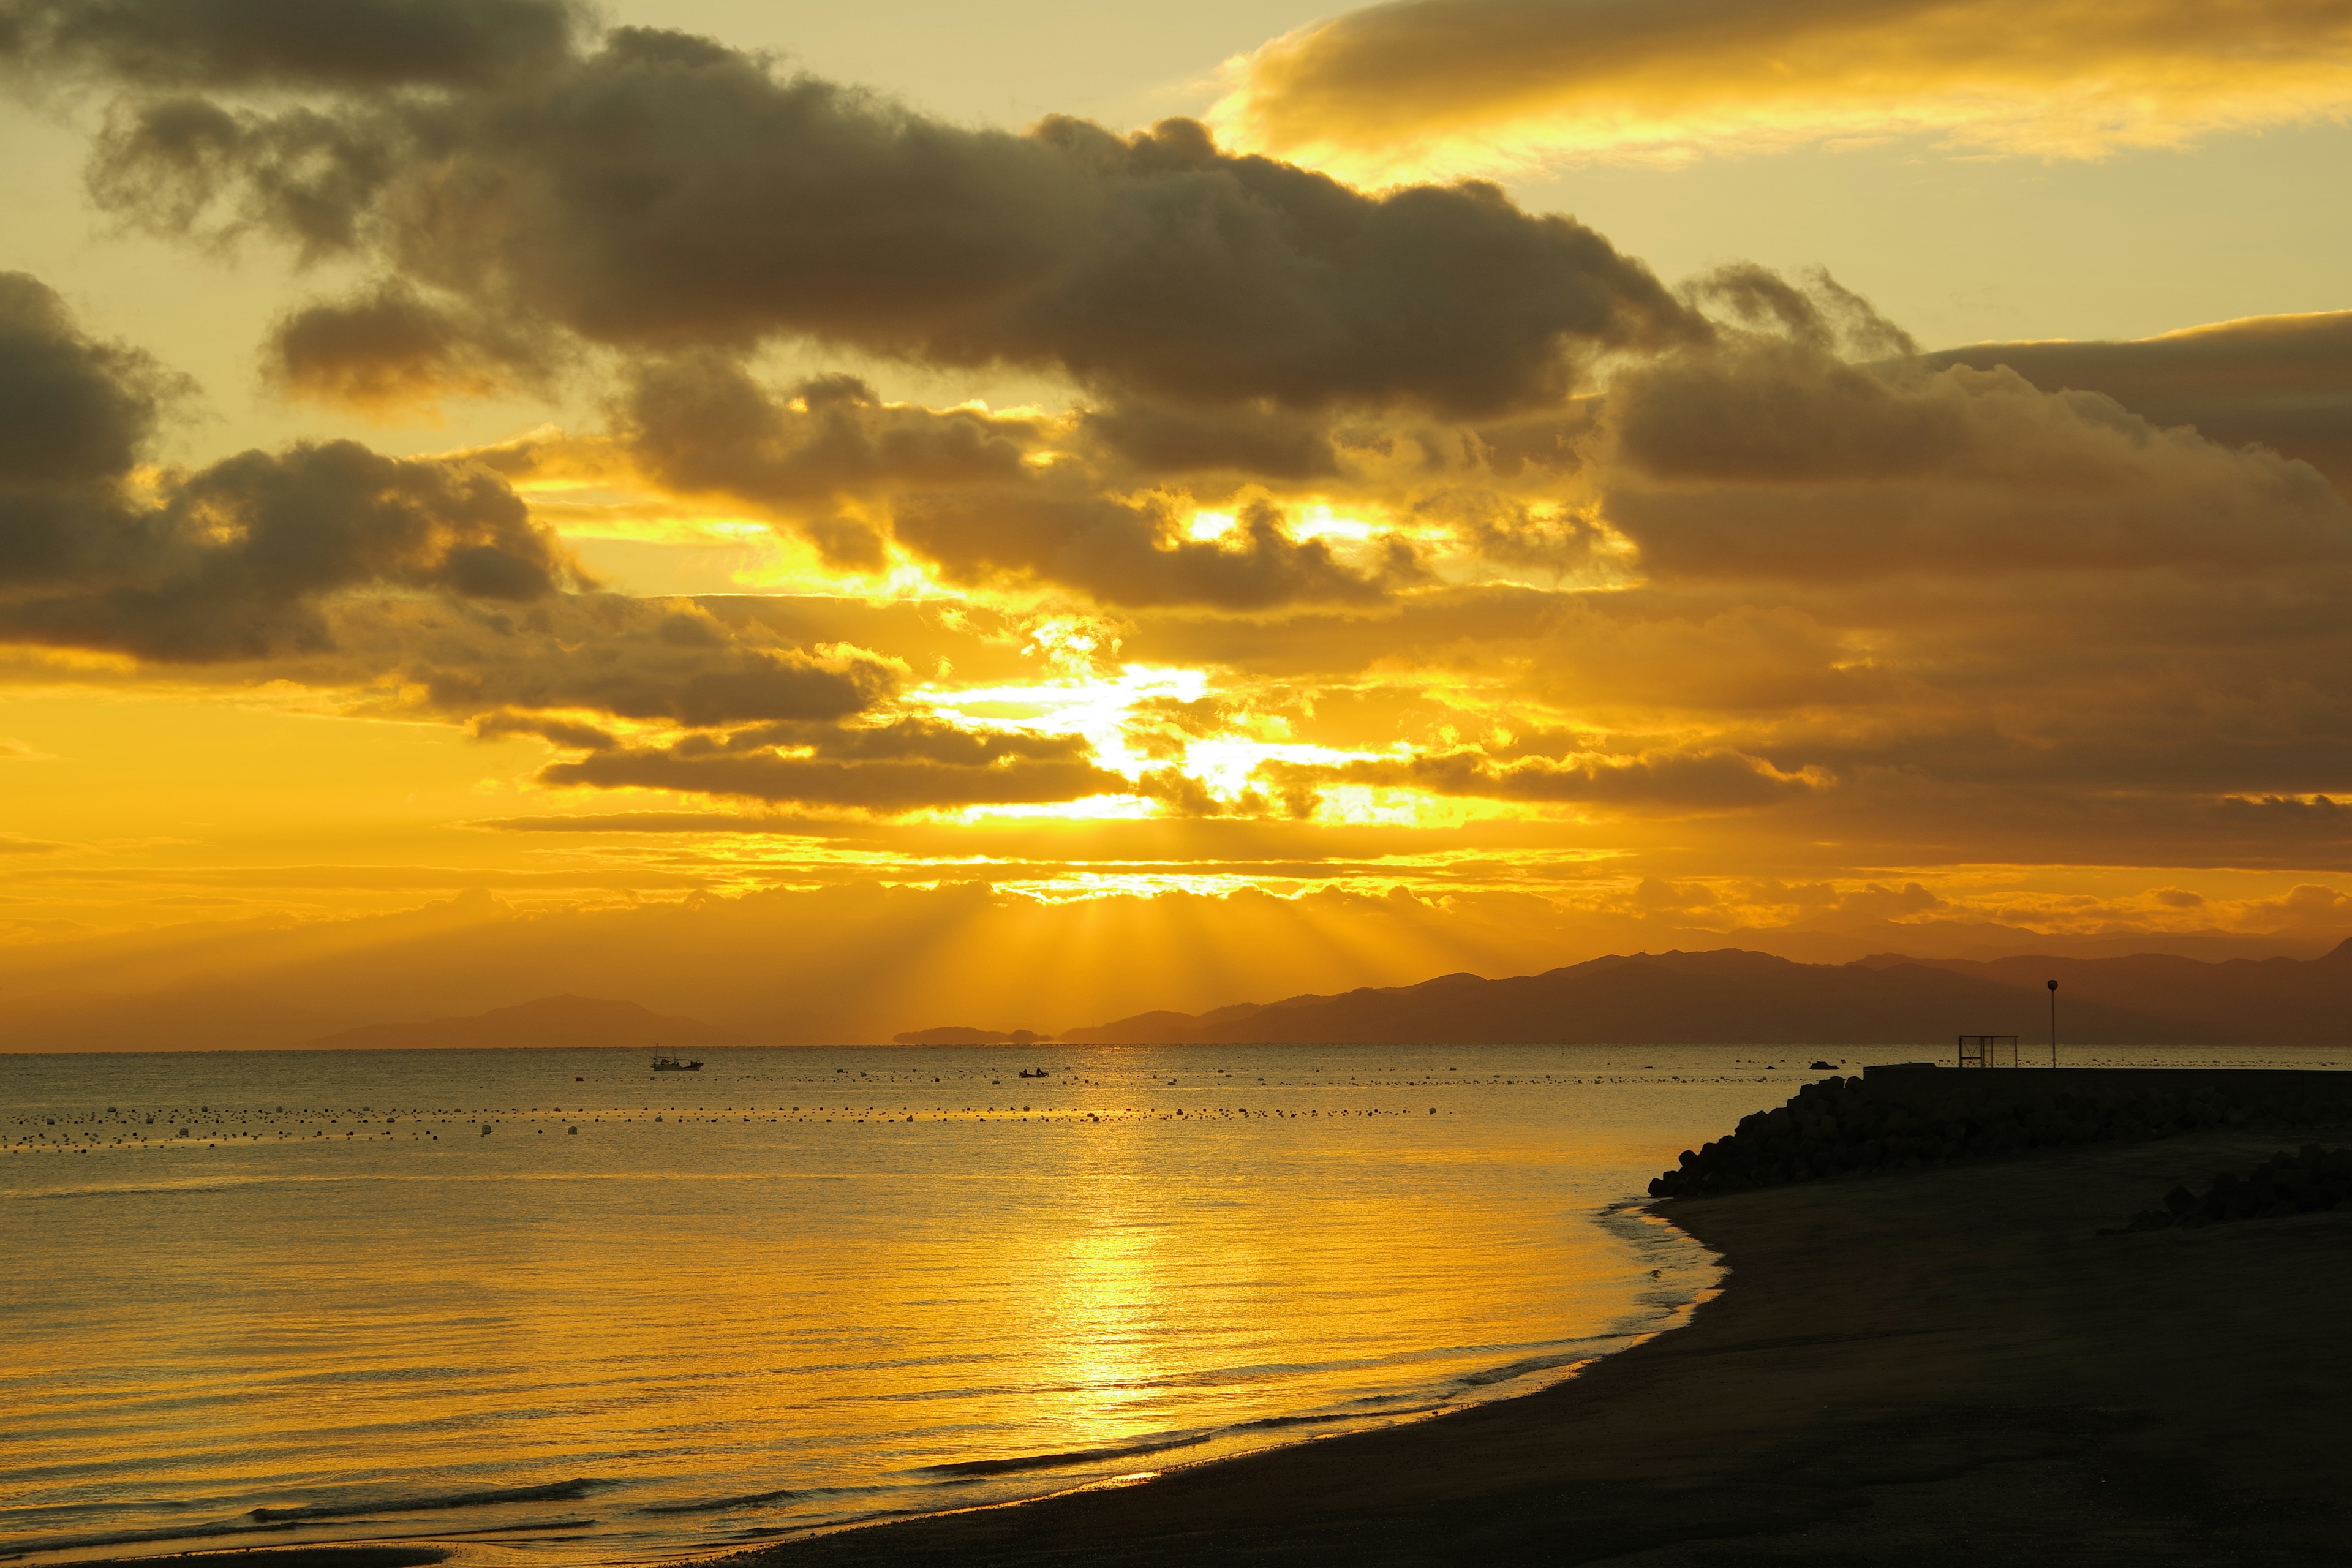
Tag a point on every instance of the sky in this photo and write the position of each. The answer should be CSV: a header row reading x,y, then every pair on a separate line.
x,y
1325,496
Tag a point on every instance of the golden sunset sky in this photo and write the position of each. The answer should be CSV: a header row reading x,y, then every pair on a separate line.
x,y
856,518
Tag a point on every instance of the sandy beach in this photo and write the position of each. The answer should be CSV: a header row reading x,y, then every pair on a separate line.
x,y
1945,1366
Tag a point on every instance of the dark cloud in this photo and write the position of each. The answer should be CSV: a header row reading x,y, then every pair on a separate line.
x,y
699,425
988,501
1820,313
286,556
388,351
555,731
2283,382
885,787
345,43
918,740
72,411
629,659
228,562
1767,458
665,192
1265,441
903,764
1132,553
233,561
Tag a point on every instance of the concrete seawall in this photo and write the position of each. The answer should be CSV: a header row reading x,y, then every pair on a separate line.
x,y
1911,1083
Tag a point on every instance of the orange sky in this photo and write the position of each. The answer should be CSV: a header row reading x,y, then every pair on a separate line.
x,y
627,468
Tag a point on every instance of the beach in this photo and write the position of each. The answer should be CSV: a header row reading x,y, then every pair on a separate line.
x,y
1943,1366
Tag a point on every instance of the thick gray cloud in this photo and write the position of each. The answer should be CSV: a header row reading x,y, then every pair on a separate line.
x,y
956,488
904,764
698,425
386,350
231,561
1262,441
1129,553
1767,459
345,43
886,786
2283,382
654,660
665,192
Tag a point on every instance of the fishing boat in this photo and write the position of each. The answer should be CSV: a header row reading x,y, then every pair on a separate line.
x,y
1039,1073
671,1064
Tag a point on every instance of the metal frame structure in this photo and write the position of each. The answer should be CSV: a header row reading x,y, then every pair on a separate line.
x,y
1989,1051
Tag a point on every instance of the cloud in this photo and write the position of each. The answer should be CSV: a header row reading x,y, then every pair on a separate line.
x,y
1129,553
387,352
2283,382
1444,85
227,562
351,45
337,566
73,410
655,661
1263,440
888,786
665,192
985,500
1767,458
1658,782
15,750
907,764
2307,904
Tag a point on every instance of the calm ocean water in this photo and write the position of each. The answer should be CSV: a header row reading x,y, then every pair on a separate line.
x,y
306,1294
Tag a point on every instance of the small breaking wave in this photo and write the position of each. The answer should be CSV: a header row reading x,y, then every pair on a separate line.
x,y
979,1467
1524,1368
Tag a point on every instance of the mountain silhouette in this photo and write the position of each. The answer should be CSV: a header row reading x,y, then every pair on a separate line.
x,y
1735,997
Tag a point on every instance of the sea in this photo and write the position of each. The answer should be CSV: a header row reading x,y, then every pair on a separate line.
x,y
553,1305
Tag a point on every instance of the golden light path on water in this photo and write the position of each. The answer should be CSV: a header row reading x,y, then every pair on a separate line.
x,y
797,1288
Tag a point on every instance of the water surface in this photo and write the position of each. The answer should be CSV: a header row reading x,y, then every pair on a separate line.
x,y
305,1293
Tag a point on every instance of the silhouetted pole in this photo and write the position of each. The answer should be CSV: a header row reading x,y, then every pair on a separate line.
x,y
2053,1022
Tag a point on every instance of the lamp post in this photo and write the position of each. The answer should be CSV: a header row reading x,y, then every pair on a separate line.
x,y
2053,1022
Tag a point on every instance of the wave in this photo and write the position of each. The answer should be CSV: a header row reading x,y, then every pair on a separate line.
x,y
1523,1368
132,1537
275,1525
1275,1423
553,1491
307,1557
974,1468
753,1499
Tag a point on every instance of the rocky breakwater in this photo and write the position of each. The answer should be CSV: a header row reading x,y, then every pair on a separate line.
x,y
1908,1115
2300,1180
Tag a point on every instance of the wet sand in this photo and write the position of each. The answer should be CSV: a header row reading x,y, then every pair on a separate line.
x,y
1943,1367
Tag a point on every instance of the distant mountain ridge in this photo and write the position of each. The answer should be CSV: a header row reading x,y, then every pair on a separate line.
x,y
544,1021
1731,996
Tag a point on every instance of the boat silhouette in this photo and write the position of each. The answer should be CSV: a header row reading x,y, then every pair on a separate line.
x,y
671,1064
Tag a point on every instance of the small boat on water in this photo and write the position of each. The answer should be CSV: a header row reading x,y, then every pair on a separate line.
x,y
671,1064
1039,1073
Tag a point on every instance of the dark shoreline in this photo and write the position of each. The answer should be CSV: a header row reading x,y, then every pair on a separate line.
x,y
1942,1366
